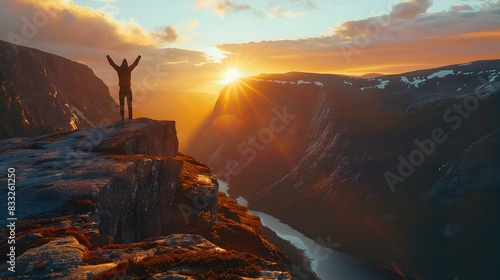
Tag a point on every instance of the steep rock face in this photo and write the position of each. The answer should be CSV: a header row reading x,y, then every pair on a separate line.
x,y
128,169
43,92
314,151
90,201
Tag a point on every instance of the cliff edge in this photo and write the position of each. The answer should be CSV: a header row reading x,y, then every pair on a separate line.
x,y
120,200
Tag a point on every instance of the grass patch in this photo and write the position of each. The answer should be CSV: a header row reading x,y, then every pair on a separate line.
x,y
191,169
90,258
208,265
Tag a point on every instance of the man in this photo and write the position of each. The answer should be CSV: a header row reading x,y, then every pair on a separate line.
x,y
124,75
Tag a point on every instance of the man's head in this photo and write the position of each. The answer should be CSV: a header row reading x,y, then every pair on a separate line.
x,y
124,63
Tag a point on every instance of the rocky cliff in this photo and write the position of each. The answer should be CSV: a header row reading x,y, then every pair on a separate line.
x,y
42,92
119,200
399,169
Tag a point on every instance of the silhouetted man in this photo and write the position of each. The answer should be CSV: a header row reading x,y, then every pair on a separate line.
x,y
124,75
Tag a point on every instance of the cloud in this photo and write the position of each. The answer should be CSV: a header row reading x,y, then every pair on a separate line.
x,y
191,25
166,34
273,12
408,38
63,22
181,56
57,25
278,11
108,8
306,3
220,7
86,35
290,14
457,8
408,10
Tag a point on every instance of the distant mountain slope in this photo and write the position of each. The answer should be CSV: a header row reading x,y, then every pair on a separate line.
x,y
400,169
42,92
371,75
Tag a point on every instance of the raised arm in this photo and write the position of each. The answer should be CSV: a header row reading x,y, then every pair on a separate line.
x,y
111,62
135,63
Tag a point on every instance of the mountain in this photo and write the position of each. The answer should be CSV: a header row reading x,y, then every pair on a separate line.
x,y
371,75
43,92
119,201
400,169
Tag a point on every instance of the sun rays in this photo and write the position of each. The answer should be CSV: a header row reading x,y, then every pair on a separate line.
x,y
231,75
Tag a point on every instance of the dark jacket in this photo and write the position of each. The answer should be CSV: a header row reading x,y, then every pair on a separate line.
x,y
124,71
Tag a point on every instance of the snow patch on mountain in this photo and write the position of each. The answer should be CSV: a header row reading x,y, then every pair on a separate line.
x,y
299,82
382,84
440,74
416,81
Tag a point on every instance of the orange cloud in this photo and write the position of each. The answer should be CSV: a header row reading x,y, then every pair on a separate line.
x,y
410,9
166,34
64,22
67,23
409,39
407,10
481,34
87,35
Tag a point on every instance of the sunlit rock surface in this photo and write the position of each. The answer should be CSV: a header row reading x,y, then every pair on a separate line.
x,y
41,92
128,169
119,200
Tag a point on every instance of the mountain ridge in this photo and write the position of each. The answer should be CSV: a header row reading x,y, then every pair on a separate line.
x,y
322,169
44,92
378,75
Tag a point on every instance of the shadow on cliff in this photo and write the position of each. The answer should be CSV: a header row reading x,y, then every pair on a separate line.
x,y
120,200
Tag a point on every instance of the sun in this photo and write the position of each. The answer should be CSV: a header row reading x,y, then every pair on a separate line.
x,y
230,76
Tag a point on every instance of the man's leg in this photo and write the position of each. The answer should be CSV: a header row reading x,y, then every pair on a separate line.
x,y
129,103
121,95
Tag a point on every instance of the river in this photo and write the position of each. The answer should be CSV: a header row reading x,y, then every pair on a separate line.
x,y
327,263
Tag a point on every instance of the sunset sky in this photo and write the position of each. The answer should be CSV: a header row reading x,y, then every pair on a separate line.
x,y
189,45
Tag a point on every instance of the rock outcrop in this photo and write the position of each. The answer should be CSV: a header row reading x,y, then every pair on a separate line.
x,y
129,170
91,202
323,153
42,92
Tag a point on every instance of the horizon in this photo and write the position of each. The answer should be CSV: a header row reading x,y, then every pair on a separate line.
x,y
194,47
